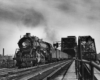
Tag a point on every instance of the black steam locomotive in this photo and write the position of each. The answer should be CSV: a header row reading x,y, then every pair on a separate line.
x,y
33,51
69,45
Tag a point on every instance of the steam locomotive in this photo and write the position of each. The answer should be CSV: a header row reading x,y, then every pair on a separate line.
x,y
33,51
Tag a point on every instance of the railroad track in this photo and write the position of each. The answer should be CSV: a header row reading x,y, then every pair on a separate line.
x,y
5,71
35,73
56,73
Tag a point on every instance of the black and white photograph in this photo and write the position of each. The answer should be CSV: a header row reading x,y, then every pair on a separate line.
x,y
49,39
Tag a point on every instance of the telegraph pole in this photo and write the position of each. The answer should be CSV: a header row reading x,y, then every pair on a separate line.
x,y
56,46
3,52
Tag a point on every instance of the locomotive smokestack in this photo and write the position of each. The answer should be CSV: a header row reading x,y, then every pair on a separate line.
x,y
28,34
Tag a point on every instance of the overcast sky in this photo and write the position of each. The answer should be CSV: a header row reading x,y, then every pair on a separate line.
x,y
47,19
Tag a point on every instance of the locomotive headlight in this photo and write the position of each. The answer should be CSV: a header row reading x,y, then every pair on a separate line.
x,y
23,44
26,44
44,51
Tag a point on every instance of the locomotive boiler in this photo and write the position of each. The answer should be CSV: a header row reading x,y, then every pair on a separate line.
x,y
33,51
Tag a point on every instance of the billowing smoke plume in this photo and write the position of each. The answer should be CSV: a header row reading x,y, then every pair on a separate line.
x,y
33,18
27,19
51,34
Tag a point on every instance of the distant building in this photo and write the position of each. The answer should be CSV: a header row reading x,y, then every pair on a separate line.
x,y
6,61
5,58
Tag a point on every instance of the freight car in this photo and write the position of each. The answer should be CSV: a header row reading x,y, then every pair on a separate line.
x,y
33,51
69,45
58,55
86,48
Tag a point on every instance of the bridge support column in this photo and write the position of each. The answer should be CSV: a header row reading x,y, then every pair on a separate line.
x,y
92,71
82,70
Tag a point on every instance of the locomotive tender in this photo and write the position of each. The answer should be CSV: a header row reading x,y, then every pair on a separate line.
x,y
33,51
